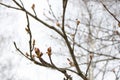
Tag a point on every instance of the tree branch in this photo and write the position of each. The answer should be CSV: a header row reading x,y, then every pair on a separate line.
x,y
110,12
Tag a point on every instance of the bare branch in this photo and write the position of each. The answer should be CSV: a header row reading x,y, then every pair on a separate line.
x,y
91,57
8,6
110,12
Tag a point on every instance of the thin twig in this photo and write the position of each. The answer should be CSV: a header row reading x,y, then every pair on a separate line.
x,y
63,16
110,12
51,61
20,51
35,12
88,67
51,10
74,36
30,36
8,6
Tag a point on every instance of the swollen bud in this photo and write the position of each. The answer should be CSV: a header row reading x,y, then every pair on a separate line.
x,y
119,24
34,42
27,30
113,70
70,62
49,51
33,6
33,56
58,24
38,53
78,22
27,54
91,56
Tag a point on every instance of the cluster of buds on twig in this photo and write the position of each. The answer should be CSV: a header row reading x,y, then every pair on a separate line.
x,y
49,50
70,62
38,53
27,55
